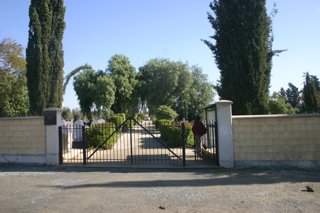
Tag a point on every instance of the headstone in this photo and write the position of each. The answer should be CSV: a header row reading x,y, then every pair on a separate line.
x,y
97,121
77,131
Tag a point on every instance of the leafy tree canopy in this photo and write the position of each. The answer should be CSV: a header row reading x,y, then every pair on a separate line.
x,y
13,89
123,75
11,57
279,105
66,114
166,112
95,91
185,89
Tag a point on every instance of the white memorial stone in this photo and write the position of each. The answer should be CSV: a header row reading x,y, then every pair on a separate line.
x,y
77,130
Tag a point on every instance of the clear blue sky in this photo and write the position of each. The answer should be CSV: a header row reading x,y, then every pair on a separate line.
x,y
144,29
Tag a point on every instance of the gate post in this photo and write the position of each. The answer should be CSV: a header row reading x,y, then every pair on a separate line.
x,y
225,133
84,143
60,146
52,120
131,148
183,144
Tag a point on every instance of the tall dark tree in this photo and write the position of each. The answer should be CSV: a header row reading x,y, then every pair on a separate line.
x,y
293,95
44,54
311,95
243,53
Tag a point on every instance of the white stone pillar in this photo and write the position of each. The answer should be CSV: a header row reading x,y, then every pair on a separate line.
x,y
52,121
225,135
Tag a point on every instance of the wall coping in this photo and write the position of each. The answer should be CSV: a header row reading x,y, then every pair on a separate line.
x,y
52,109
227,102
21,118
275,116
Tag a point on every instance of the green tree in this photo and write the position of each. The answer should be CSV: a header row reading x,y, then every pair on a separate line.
x,y
66,113
85,87
76,114
105,94
95,91
44,54
201,92
160,82
123,75
11,58
13,85
166,112
185,89
279,105
293,95
243,53
311,95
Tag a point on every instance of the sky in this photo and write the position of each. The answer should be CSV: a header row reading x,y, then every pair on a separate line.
x,y
146,29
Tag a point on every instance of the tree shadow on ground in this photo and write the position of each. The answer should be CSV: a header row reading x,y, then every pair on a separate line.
x,y
231,179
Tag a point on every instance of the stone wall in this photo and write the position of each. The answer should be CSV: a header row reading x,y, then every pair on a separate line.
x,y
22,140
292,140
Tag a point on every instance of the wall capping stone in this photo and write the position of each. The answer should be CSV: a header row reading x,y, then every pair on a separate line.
x,y
275,116
22,118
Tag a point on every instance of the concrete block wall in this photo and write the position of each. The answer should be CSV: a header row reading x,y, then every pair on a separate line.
x,y
292,140
22,140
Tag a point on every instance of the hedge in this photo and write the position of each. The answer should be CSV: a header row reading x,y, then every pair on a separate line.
x,y
117,119
171,134
99,133
140,117
162,122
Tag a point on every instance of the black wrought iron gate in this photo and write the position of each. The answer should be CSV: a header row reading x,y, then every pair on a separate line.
x,y
129,144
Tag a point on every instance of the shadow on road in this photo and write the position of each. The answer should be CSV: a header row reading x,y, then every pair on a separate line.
x,y
231,179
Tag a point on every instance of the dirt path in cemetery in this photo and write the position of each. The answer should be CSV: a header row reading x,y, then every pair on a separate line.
x,y
79,189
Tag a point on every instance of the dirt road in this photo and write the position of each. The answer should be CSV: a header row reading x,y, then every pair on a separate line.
x,y
76,189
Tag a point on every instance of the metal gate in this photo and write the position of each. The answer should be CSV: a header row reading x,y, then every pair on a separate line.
x,y
131,144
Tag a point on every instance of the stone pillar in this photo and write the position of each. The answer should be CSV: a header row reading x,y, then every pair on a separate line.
x,y
225,133
52,120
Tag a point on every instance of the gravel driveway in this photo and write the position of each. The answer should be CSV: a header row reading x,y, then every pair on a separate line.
x,y
78,189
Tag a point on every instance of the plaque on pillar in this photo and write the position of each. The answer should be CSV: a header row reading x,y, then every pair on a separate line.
x,y
50,118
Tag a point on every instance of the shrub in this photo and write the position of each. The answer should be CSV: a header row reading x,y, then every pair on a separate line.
x,y
123,115
165,112
189,135
117,120
99,133
140,117
162,122
171,134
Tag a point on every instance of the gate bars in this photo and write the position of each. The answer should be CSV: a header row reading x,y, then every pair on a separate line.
x,y
129,144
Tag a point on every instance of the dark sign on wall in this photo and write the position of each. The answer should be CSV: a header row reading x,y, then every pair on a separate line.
x,y
50,117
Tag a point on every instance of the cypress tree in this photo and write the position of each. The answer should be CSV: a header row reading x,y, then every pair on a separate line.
x,y
243,54
311,96
44,54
